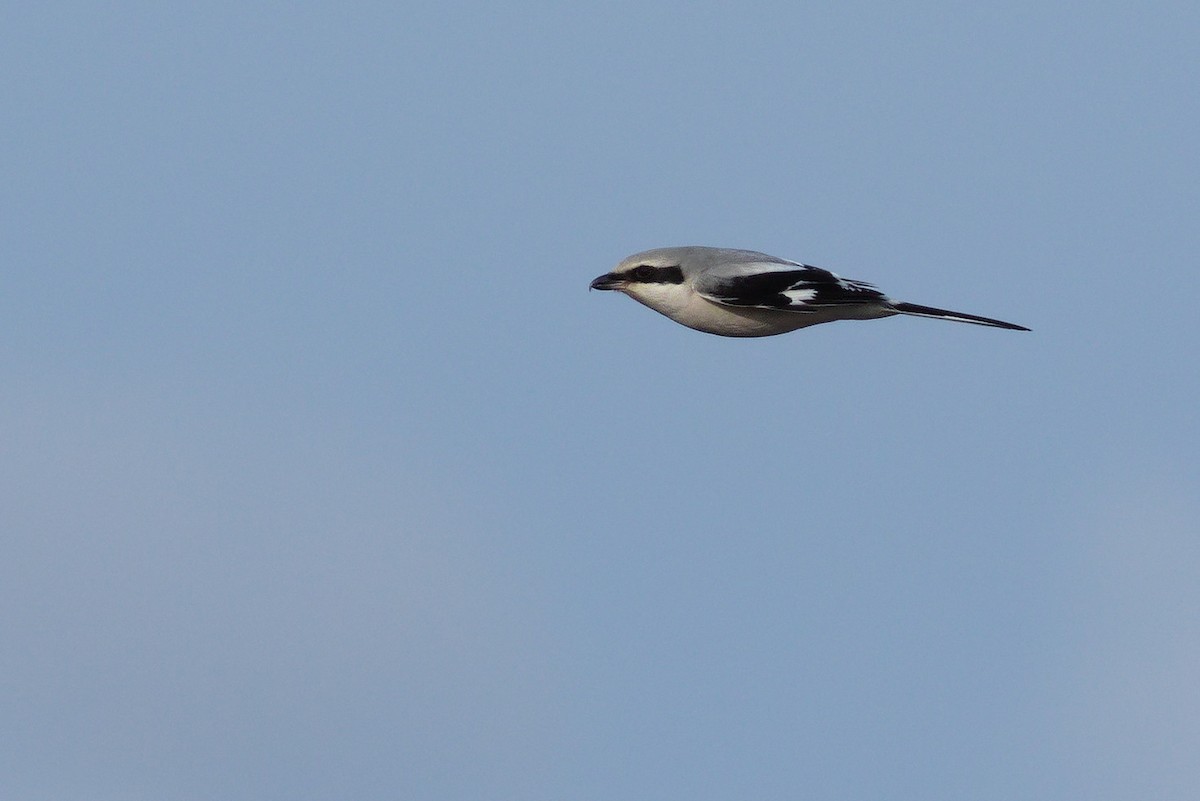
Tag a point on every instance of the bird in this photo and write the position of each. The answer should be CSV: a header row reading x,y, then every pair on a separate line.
x,y
744,293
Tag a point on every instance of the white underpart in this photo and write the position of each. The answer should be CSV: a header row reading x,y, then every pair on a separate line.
x,y
683,305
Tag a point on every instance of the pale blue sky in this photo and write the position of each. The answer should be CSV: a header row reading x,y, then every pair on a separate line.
x,y
325,477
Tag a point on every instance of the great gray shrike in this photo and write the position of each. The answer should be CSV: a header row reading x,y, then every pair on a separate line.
x,y
741,293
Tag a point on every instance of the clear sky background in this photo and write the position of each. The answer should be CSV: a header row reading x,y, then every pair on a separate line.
x,y
325,477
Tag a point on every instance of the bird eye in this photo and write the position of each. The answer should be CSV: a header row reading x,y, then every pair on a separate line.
x,y
643,272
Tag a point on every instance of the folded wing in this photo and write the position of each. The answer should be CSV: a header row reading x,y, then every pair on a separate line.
x,y
803,289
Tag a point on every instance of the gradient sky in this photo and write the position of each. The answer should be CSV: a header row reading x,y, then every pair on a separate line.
x,y
325,477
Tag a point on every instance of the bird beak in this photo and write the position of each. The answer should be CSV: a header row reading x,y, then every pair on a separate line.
x,y
608,281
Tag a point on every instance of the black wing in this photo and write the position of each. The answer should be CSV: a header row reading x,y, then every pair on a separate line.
x,y
802,289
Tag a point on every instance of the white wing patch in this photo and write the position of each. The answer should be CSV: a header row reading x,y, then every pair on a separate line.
x,y
799,296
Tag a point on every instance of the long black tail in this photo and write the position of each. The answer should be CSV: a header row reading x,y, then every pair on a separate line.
x,y
942,314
